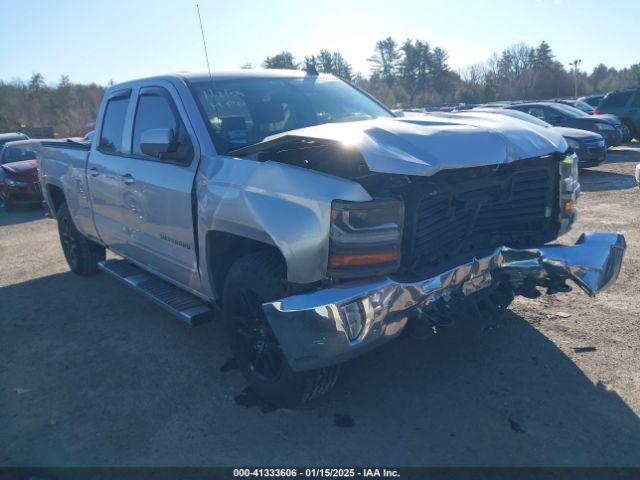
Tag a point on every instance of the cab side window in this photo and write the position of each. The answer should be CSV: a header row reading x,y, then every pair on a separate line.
x,y
155,110
113,125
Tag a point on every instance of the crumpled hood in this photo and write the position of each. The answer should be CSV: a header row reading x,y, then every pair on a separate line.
x,y
426,144
26,170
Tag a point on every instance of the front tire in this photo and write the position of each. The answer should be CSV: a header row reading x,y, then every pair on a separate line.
x,y
251,281
81,253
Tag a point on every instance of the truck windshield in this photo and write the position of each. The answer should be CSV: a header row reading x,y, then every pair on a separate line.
x,y
244,111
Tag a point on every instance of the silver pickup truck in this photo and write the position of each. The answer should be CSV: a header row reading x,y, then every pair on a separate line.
x,y
313,220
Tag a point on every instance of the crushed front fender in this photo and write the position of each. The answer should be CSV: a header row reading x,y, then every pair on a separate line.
x,y
317,329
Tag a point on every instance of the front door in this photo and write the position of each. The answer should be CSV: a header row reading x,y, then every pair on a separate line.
x,y
158,192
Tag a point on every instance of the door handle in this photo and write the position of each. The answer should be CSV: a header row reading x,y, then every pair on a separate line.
x,y
128,179
94,171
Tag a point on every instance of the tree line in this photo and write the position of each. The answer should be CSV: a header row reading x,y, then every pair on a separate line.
x,y
416,74
68,108
410,74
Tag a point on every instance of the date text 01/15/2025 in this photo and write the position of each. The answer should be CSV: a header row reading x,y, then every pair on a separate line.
x,y
317,472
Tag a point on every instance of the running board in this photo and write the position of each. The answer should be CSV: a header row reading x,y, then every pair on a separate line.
x,y
184,305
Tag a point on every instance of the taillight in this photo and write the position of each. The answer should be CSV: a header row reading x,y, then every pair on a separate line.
x,y
597,111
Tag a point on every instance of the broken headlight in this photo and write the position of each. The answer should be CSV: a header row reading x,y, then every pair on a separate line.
x,y
569,191
365,237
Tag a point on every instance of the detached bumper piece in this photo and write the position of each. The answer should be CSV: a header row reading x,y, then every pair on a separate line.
x,y
335,324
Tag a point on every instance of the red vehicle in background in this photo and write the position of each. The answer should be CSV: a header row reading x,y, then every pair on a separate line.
x,y
19,166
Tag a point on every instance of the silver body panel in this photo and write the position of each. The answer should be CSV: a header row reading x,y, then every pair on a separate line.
x,y
159,214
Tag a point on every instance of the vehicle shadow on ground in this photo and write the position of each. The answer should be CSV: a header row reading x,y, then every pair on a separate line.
x,y
94,374
599,180
20,215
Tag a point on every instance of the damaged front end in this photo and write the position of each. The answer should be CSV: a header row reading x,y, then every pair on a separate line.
x,y
449,231
335,324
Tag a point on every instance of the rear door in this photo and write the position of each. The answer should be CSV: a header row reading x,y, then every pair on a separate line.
x,y
104,172
158,192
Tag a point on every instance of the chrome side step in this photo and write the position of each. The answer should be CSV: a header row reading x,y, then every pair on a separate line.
x,y
184,305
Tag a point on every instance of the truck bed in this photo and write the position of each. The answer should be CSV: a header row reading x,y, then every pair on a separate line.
x,y
75,143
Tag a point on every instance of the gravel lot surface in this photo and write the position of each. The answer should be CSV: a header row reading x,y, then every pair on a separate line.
x,y
93,374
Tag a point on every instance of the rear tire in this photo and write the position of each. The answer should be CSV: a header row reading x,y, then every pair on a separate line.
x,y
81,253
251,281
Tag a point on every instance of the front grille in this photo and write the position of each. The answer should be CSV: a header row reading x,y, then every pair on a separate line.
x,y
458,214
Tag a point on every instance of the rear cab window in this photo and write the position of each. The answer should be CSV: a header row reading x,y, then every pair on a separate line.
x,y
112,130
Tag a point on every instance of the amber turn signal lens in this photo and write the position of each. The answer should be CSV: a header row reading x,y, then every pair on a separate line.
x,y
568,206
336,261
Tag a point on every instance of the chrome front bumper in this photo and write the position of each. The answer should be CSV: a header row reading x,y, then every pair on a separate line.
x,y
312,328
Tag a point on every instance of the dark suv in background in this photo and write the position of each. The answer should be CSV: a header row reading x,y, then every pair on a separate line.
x,y
592,100
561,115
626,105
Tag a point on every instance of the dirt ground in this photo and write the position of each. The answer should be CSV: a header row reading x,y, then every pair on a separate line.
x,y
93,374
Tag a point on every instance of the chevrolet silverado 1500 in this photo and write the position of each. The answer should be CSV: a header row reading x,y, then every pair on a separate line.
x,y
316,222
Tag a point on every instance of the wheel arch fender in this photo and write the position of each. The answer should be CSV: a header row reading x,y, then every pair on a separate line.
x,y
224,246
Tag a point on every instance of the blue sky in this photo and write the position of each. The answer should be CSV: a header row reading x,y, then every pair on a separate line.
x,y
94,41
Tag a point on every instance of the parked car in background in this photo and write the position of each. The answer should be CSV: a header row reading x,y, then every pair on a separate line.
x,y
560,115
592,100
18,151
590,147
19,174
626,105
589,110
11,137
579,104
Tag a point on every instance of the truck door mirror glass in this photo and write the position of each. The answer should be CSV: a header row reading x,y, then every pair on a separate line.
x,y
158,142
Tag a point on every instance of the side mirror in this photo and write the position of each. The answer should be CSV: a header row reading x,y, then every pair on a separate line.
x,y
158,142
